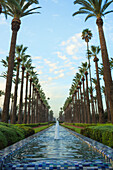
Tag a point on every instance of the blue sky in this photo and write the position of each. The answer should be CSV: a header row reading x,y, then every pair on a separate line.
x,y
54,41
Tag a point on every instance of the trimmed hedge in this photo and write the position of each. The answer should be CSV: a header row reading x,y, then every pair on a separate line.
x,y
80,124
9,134
34,124
103,134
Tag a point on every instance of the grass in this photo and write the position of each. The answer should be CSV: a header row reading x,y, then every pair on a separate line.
x,y
38,129
78,130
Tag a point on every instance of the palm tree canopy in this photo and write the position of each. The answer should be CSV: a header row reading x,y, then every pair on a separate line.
x,y
94,8
21,8
94,50
86,34
4,4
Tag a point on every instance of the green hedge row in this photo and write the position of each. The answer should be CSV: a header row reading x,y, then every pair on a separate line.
x,y
80,124
103,134
34,124
9,134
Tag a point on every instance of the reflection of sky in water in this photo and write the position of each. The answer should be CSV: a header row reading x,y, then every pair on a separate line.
x,y
44,146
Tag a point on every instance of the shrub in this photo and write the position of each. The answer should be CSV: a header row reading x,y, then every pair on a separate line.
x,y
80,124
3,141
103,134
9,133
27,130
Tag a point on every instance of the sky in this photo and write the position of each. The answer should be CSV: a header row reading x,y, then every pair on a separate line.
x,y
54,42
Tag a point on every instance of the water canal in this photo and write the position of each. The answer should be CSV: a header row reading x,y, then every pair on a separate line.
x,y
67,147
44,147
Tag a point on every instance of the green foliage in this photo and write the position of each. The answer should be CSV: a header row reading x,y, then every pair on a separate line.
x,y
28,131
3,141
101,133
33,124
9,134
80,124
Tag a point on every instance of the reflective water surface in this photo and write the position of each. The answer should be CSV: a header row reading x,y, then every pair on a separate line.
x,y
45,146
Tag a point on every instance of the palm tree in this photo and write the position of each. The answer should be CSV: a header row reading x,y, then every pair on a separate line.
x,y
30,86
98,9
24,61
84,67
16,11
19,52
94,52
34,79
81,70
86,35
28,67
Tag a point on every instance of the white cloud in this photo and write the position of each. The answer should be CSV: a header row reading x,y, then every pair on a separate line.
x,y
75,58
37,57
53,66
2,51
63,57
61,75
39,72
73,44
47,61
70,49
59,71
2,20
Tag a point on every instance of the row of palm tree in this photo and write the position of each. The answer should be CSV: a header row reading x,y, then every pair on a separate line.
x,y
79,106
97,9
36,105
17,10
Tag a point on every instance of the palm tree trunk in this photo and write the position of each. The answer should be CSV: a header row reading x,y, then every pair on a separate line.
x,y
25,111
21,97
84,102
92,103
78,101
107,105
29,105
106,64
37,108
99,96
12,103
32,116
0,8
81,104
13,118
87,97
15,27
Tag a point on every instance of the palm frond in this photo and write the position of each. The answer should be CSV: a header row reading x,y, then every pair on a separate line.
x,y
89,16
81,12
105,6
108,12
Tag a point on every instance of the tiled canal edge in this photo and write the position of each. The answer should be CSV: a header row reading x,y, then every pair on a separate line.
x,y
57,164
